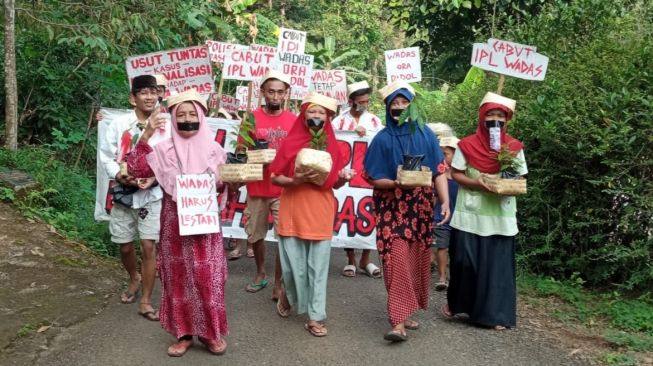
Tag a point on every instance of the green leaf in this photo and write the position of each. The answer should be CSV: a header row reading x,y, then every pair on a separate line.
x,y
467,4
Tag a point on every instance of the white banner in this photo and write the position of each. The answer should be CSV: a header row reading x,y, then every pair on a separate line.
x,y
403,64
509,58
354,219
185,68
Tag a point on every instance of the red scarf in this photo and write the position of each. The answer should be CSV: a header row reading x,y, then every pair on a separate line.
x,y
476,147
298,138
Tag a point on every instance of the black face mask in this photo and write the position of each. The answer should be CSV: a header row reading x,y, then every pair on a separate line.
x,y
188,126
160,99
395,112
494,123
273,107
316,123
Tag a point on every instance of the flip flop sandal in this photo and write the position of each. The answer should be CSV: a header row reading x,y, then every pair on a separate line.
x,y
150,315
441,285
250,253
178,349
216,347
284,313
446,312
315,330
372,270
256,287
411,324
129,297
349,271
394,336
234,254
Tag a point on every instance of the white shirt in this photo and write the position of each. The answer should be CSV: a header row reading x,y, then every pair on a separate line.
x,y
110,146
346,121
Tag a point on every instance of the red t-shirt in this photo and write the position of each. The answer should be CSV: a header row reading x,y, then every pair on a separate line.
x,y
273,129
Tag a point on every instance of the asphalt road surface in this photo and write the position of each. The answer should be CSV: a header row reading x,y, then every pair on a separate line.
x,y
356,323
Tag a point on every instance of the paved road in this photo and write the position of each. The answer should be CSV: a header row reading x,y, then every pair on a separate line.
x,y
357,322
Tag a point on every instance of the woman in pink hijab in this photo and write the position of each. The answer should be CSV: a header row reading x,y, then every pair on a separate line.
x,y
192,268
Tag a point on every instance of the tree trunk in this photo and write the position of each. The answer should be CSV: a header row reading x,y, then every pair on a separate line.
x,y
11,89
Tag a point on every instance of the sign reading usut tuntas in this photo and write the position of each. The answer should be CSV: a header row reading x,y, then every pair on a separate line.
x,y
185,68
292,41
403,64
197,204
246,65
218,50
332,83
509,58
299,68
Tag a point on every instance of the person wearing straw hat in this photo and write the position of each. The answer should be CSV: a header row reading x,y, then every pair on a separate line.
x,y
404,215
272,124
358,118
306,214
193,268
482,282
134,210
448,144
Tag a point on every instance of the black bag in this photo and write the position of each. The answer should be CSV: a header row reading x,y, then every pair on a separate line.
x,y
123,194
233,158
412,162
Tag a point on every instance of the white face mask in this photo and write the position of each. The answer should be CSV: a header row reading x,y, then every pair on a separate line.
x,y
495,138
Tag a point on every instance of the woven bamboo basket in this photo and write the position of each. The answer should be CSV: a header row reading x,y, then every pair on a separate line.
x,y
238,173
263,156
317,160
414,178
505,187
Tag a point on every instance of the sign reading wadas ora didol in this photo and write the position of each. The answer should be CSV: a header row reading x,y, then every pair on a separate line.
x,y
299,67
197,204
403,64
509,58
185,68
292,41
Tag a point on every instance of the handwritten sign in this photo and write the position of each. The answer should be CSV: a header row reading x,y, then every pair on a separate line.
x,y
241,95
262,48
292,41
332,83
403,64
229,103
185,68
509,58
299,68
218,50
197,204
246,65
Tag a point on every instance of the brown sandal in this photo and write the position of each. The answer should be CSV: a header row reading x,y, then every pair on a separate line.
x,y
316,330
217,347
180,347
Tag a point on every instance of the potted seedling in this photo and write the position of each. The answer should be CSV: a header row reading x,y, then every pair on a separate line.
x,y
508,182
238,168
315,157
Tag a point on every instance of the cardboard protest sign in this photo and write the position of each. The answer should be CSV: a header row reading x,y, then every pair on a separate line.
x,y
228,103
185,68
300,69
403,64
262,48
197,204
246,65
292,41
241,95
218,50
509,58
332,83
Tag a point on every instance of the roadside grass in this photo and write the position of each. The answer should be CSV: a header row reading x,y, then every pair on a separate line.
x,y
624,322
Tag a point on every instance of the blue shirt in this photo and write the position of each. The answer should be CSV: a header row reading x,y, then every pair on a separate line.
x,y
453,194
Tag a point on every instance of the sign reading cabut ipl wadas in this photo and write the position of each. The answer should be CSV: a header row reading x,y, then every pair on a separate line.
x,y
509,58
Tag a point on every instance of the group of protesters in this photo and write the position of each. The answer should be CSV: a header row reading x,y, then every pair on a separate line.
x,y
417,228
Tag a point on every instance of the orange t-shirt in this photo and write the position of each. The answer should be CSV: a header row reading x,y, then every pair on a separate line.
x,y
307,212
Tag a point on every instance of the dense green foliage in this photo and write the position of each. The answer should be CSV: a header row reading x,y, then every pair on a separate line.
x,y
587,130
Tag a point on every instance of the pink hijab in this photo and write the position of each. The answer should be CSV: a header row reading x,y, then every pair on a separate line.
x,y
179,155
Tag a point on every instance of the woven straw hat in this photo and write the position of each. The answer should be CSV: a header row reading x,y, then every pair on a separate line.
x,y
187,96
319,99
274,74
499,99
393,87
